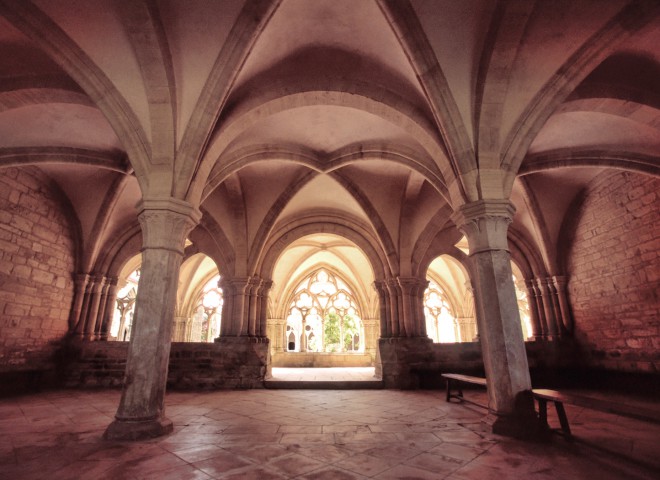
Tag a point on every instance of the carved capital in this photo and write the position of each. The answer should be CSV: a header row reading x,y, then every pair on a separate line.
x,y
166,223
485,224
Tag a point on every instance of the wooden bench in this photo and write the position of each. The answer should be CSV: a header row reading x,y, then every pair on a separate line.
x,y
544,396
454,381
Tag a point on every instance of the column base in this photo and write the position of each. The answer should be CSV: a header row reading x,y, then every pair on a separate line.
x,y
527,427
126,430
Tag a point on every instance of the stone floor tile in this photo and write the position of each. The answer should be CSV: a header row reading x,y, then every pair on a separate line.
x,y
184,472
300,429
308,438
261,453
366,464
220,464
323,453
395,452
333,473
407,472
434,463
196,453
295,464
254,473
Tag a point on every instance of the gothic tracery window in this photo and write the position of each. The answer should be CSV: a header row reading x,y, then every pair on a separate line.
x,y
523,307
323,316
441,324
207,314
122,320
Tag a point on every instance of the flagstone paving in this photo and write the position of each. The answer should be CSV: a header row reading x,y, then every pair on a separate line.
x,y
309,434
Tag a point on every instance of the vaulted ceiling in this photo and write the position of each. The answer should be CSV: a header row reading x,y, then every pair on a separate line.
x,y
373,116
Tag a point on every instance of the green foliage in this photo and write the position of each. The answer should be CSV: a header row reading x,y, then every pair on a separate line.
x,y
333,332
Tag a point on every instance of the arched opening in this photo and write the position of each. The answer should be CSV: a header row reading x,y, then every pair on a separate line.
x,y
323,309
523,302
199,301
449,302
122,318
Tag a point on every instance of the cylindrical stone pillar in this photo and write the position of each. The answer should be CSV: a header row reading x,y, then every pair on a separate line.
x,y
485,224
165,224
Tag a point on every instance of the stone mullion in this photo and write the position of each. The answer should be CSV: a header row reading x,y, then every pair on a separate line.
x,y
141,413
537,332
485,224
560,288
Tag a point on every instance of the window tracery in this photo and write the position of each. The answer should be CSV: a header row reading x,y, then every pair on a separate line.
x,y
323,316
122,320
441,325
207,314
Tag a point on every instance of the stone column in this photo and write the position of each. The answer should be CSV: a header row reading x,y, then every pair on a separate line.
x,y
485,224
277,335
548,309
560,289
180,325
84,309
408,288
262,314
165,224
107,312
537,332
370,339
80,285
385,328
253,305
94,304
396,316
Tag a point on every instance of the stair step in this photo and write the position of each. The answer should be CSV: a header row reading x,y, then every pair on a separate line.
x,y
324,384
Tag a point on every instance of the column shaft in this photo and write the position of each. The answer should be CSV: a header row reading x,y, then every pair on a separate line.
x,y
485,224
165,225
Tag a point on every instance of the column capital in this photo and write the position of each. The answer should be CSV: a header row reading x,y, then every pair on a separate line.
x,y
559,281
485,224
166,222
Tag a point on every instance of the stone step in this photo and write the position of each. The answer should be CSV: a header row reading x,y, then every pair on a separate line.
x,y
324,384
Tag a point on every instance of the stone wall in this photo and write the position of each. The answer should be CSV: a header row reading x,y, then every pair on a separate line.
x,y
614,274
408,363
320,360
36,270
193,366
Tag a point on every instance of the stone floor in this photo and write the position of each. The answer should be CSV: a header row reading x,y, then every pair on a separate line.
x,y
321,434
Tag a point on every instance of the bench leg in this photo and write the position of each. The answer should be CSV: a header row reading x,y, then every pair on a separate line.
x,y
563,420
457,386
543,411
